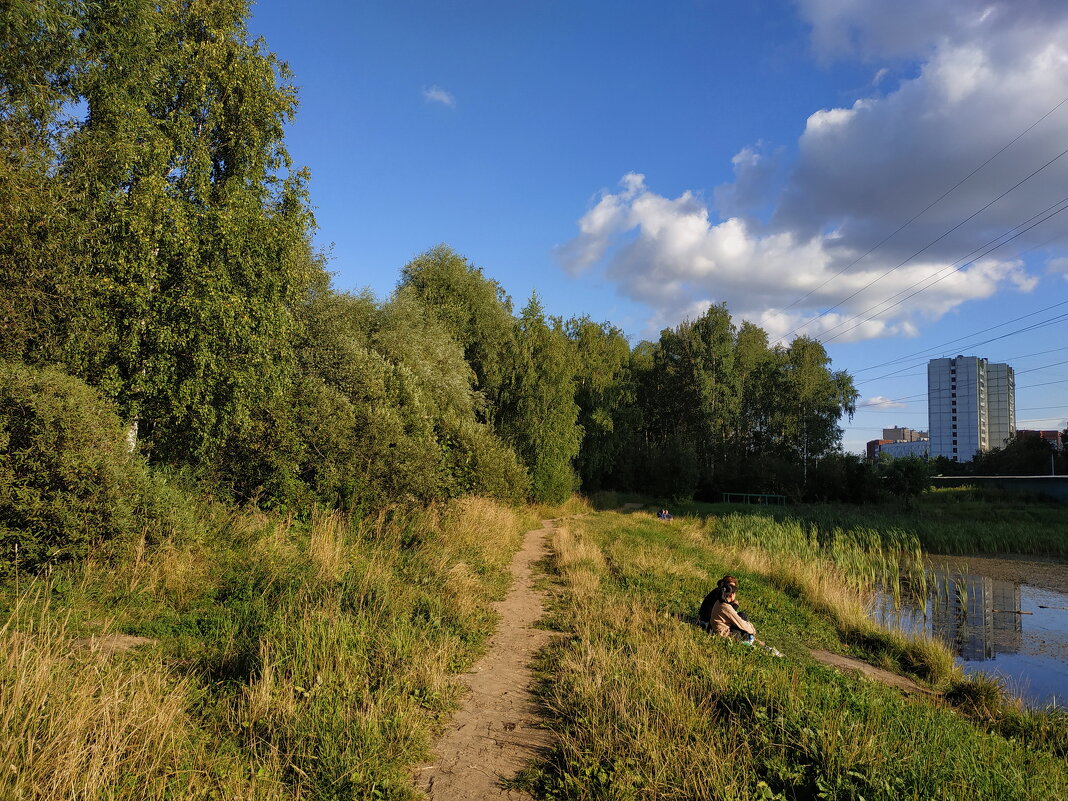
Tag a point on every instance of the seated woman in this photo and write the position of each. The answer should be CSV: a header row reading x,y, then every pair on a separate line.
x,y
719,615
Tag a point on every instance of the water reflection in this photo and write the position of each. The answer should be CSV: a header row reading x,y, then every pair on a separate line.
x,y
1009,629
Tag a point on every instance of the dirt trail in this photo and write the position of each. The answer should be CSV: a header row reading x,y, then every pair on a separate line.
x,y
848,664
495,733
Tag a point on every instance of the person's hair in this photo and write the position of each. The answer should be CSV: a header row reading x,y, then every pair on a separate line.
x,y
725,591
728,581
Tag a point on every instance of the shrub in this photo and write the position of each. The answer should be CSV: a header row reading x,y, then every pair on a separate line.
x,y
68,480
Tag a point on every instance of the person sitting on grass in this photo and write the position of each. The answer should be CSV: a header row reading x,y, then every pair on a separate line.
x,y
725,619
664,514
719,613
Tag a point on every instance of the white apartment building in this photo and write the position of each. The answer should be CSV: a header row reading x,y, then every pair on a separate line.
x,y
971,406
918,447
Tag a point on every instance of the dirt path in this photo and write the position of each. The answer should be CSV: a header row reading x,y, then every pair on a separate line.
x,y
848,664
495,734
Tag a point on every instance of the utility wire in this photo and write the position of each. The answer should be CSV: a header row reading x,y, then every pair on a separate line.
x,y
942,278
925,394
933,242
927,208
937,348
895,373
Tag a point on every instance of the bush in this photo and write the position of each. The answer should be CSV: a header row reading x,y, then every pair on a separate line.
x,y
67,478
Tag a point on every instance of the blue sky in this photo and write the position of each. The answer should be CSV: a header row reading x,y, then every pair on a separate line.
x,y
638,161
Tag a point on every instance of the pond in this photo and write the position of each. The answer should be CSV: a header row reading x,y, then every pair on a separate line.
x,y
1006,617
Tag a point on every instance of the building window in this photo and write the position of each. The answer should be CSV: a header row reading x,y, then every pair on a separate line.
x,y
954,451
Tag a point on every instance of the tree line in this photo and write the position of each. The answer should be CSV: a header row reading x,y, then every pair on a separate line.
x,y
157,246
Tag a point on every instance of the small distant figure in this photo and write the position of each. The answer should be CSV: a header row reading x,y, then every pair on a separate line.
x,y
664,514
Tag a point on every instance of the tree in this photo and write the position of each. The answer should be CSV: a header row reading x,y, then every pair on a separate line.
x,y
473,309
182,235
538,412
604,394
905,478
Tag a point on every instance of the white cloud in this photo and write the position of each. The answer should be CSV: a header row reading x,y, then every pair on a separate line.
x,y
1058,265
435,94
784,229
882,402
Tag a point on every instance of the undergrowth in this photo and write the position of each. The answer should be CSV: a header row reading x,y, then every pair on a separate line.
x,y
282,659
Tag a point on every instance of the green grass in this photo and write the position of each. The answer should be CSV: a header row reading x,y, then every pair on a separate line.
x,y
958,520
289,660
647,706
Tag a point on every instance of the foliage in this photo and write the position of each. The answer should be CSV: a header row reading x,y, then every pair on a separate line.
x,y
388,408
474,309
177,226
68,481
605,397
1030,456
538,415
720,409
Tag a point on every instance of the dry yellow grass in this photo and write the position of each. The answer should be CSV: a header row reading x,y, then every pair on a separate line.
x,y
81,723
326,546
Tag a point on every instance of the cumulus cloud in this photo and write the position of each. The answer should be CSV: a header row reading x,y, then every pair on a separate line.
x,y
865,194
435,94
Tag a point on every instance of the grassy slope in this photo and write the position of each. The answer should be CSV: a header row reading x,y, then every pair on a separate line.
x,y
289,660
647,706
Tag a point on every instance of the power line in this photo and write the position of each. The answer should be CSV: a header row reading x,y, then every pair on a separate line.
x,y
927,208
937,348
925,394
934,241
942,278
895,373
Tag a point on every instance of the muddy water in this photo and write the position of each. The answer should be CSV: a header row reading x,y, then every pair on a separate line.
x,y
1005,617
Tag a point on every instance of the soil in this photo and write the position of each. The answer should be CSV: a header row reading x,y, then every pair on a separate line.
x,y
109,644
850,665
497,732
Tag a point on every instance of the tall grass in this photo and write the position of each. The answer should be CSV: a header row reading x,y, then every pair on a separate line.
x,y
957,520
648,707
80,722
310,660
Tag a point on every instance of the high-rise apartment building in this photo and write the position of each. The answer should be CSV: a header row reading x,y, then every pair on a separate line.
x,y
971,406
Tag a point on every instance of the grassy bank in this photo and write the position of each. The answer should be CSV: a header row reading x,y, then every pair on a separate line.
x,y
956,520
280,659
648,706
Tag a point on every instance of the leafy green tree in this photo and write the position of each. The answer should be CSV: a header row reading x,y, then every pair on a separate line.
x,y
180,230
812,399
474,310
387,407
68,481
605,396
39,60
905,478
539,416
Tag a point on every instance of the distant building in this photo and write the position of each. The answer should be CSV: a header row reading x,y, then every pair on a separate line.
x,y
971,406
1054,438
899,450
901,434
873,448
